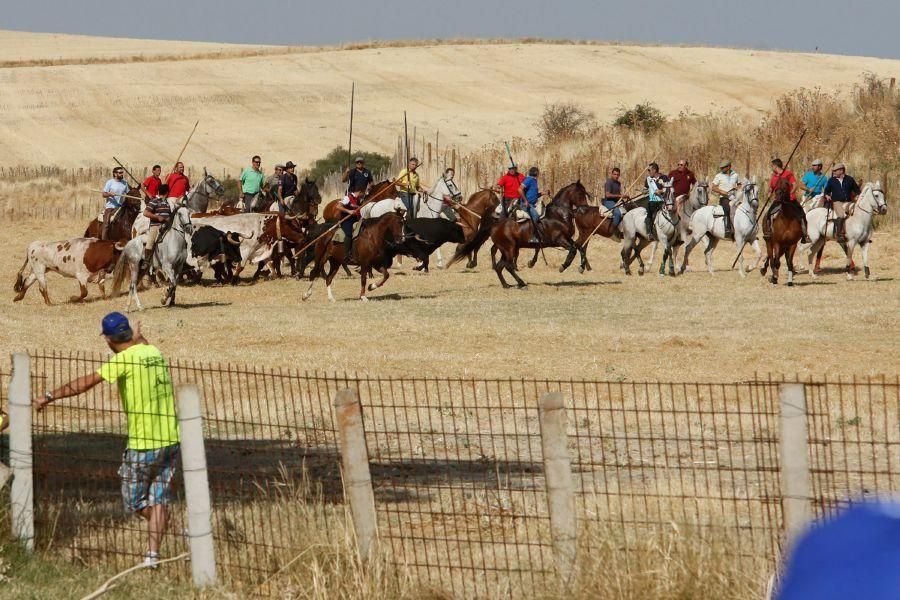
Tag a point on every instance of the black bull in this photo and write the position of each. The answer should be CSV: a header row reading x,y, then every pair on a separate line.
x,y
424,236
220,248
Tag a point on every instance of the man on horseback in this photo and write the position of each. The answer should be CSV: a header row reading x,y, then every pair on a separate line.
x,y
270,184
113,191
350,206
358,176
529,191
448,193
683,179
655,200
408,186
178,182
725,183
251,182
840,191
612,195
813,181
779,174
152,183
510,185
159,212
287,187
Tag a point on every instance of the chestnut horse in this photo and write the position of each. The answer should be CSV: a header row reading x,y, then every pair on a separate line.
x,y
379,191
783,234
121,221
476,220
373,248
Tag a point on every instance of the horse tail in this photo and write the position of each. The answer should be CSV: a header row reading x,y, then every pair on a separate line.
x,y
119,273
20,278
473,245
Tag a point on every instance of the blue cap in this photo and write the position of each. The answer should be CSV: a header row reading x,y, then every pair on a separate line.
x,y
115,323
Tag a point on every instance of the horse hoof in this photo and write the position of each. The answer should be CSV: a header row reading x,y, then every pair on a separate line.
x,y
581,269
363,299
561,268
372,287
867,272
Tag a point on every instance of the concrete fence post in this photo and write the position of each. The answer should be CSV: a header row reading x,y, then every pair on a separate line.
x,y
355,470
795,483
196,486
560,488
21,459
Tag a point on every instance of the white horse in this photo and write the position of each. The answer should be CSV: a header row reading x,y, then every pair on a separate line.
x,y
168,258
858,226
634,233
708,224
432,206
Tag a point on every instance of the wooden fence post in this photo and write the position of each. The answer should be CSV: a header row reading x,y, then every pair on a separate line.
x,y
21,458
355,471
196,486
558,477
795,487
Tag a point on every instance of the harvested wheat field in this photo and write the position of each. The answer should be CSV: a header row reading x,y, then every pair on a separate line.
x,y
68,114
599,325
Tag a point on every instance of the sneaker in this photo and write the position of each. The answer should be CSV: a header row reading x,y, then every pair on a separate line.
x,y
151,560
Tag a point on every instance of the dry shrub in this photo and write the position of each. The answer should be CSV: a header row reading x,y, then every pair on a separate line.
x,y
563,120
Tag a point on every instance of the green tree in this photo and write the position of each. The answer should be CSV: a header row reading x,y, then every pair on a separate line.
x,y
644,116
336,160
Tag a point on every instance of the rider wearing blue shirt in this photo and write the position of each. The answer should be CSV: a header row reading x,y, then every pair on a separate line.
x,y
531,194
813,182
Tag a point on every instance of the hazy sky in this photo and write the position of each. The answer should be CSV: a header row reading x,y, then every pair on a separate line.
x,y
861,27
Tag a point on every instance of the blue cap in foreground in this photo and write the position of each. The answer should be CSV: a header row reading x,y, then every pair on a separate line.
x,y
115,323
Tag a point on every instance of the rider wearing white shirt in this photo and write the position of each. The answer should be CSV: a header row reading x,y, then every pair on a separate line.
x,y
724,183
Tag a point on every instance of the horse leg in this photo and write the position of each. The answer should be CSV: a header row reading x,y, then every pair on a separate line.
x,y
511,267
626,255
493,256
865,256
662,263
384,277
775,263
333,266
758,250
573,250
637,253
789,260
534,258
687,252
584,261
652,254
711,244
440,259
851,246
363,276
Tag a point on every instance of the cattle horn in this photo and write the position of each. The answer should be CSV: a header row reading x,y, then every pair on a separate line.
x,y
291,217
120,245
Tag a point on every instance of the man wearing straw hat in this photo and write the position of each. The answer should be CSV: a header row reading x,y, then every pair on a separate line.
x,y
725,183
148,401
840,191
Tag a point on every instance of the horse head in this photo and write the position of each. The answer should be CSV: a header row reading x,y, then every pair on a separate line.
x,y
701,193
877,193
183,215
750,192
212,183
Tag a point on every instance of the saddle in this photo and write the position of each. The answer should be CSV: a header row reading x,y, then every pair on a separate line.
x,y
340,237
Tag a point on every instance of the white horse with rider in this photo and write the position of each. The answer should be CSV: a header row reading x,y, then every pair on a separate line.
x,y
168,258
858,226
665,225
708,225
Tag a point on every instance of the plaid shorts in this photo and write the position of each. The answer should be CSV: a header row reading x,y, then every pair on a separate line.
x,y
147,477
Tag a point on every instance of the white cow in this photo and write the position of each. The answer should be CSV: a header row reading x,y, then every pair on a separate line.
x,y
84,259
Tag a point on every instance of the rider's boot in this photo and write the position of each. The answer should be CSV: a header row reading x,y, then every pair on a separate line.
x,y
839,234
805,238
538,231
348,249
648,223
729,228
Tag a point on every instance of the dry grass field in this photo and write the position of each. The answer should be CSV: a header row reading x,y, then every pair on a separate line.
x,y
598,325
293,104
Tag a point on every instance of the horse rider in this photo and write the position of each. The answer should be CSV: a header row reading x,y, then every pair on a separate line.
x,y
453,196
358,175
178,182
287,187
153,181
510,186
655,200
270,184
779,174
159,211
251,182
813,181
408,185
113,191
349,205
840,191
725,183
612,196
531,194
683,179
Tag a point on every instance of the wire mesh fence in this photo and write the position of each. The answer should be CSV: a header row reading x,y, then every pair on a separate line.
x,y
457,467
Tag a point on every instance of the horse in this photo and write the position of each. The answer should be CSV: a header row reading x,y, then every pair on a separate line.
x,y
378,191
476,220
666,225
168,258
784,235
120,222
373,248
305,201
198,197
509,235
858,226
707,224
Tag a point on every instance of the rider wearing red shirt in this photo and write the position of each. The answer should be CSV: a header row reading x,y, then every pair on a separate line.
x,y
779,173
178,183
152,183
511,186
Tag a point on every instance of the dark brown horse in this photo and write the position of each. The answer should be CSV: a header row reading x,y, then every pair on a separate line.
x,y
373,248
589,220
121,221
476,220
782,233
379,191
558,226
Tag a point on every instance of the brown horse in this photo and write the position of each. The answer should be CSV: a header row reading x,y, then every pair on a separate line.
x,y
589,220
557,229
782,233
476,227
373,248
121,221
379,191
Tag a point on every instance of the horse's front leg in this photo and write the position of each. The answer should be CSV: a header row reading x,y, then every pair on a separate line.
x,y
865,255
851,246
384,277
573,250
534,258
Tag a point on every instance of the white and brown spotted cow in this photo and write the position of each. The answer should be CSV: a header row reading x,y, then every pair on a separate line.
x,y
85,259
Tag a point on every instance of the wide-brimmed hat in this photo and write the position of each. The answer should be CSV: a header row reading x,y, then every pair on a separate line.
x,y
289,165
817,163
359,159
725,163
838,166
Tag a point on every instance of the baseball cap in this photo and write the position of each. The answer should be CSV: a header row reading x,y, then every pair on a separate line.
x,y
115,323
725,163
817,163
838,166
360,159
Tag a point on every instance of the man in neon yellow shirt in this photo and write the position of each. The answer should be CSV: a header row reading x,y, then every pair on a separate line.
x,y
148,401
408,185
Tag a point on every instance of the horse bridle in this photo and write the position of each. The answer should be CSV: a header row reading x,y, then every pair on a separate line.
x,y
872,189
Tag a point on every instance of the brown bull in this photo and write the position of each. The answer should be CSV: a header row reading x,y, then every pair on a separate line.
x,y
84,259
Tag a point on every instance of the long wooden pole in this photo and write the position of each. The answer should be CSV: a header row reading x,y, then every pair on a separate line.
x,y
350,143
771,193
122,195
183,148
133,178
618,204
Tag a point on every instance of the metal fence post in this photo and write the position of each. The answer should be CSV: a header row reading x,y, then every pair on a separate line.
x,y
560,488
196,486
21,458
355,469
795,486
